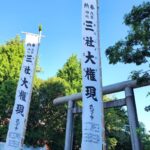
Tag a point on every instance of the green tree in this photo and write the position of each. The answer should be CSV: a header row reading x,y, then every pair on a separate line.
x,y
7,96
115,119
71,72
11,55
135,48
47,122
145,137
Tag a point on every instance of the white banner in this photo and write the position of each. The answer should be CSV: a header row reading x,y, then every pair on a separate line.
x,y
92,116
18,122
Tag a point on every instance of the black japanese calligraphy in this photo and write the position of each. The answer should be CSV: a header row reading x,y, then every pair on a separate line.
x,y
87,14
86,5
28,44
24,82
90,58
92,137
22,95
27,70
89,25
17,124
91,15
30,48
33,45
91,92
13,135
90,74
92,7
20,109
89,41
29,58
91,112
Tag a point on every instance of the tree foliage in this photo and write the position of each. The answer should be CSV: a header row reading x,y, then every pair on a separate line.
x,y
7,96
145,137
46,121
115,119
11,55
71,72
135,48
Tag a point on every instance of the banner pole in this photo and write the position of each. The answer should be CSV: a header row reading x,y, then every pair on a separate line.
x,y
98,36
19,117
39,40
92,115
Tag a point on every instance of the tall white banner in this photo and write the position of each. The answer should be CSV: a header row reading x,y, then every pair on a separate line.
x,y
18,122
92,116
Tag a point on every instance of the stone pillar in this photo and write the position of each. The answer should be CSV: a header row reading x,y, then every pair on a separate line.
x,y
69,127
133,119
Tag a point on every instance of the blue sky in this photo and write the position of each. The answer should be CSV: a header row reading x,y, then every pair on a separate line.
x,y
61,21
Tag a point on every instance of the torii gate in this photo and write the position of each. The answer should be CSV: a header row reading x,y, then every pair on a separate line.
x,y
129,101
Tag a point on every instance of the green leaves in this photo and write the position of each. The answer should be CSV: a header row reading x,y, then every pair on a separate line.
x,y
135,48
116,120
141,76
145,137
46,121
71,72
11,55
114,53
7,96
137,14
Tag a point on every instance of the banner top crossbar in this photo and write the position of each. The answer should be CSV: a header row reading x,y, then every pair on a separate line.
x,y
32,34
